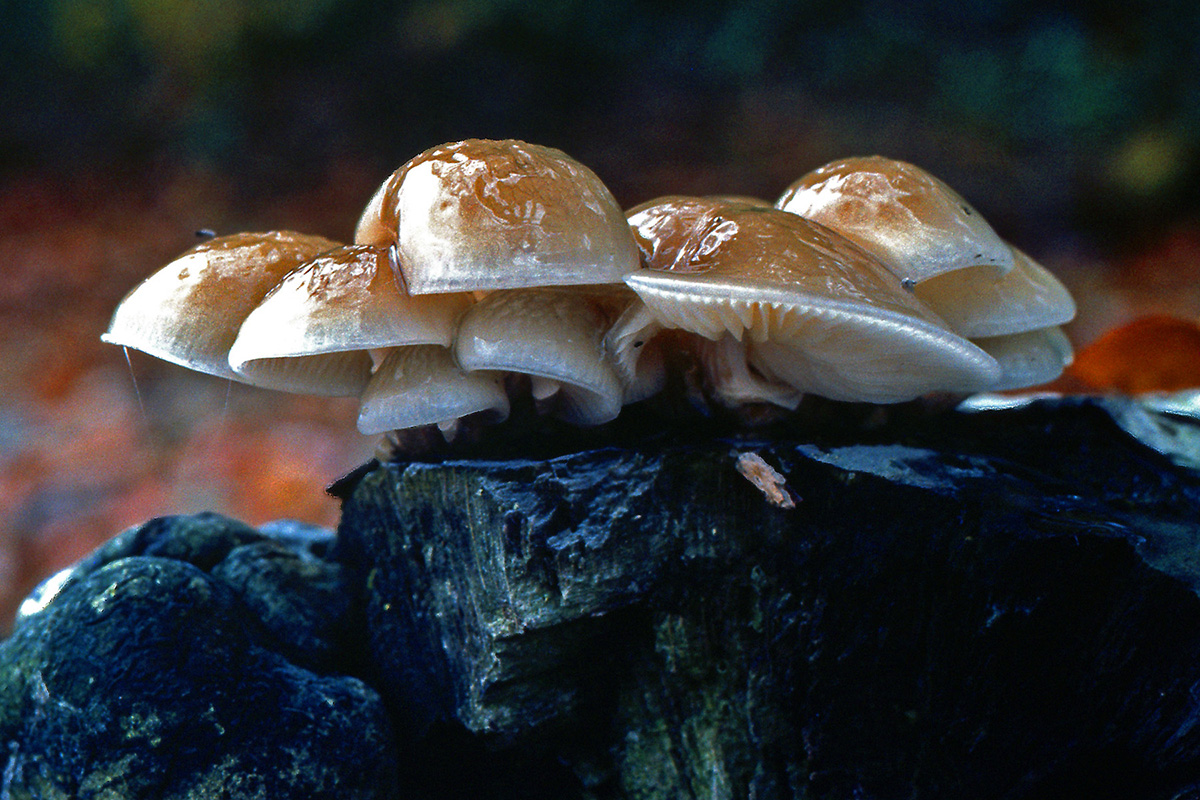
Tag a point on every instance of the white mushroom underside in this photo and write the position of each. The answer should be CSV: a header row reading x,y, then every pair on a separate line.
x,y
1029,358
837,349
551,335
337,374
421,385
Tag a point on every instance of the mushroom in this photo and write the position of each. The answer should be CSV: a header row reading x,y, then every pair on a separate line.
x,y
515,220
481,214
315,330
952,260
916,225
555,337
421,385
189,311
975,305
818,312
1029,358
483,267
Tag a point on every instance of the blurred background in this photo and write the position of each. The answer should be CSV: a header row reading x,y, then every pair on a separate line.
x,y
128,125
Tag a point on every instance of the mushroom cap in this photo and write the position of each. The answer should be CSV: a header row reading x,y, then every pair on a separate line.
x,y
482,214
421,385
189,311
811,294
978,302
1028,358
555,335
914,223
313,330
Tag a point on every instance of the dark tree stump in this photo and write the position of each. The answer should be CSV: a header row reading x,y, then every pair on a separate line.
x,y
849,603
973,605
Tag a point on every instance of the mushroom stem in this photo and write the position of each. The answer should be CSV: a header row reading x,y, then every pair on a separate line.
x,y
734,382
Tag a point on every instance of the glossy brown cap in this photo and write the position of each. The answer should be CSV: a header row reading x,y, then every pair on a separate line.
x,y
313,332
915,224
482,214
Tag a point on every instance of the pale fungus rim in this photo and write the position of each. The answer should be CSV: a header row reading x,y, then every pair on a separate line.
x,y
189,312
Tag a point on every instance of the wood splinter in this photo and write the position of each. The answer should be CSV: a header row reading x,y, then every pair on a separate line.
x,y
766,479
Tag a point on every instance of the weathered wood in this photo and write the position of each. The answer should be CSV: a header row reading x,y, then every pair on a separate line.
x,y
958,605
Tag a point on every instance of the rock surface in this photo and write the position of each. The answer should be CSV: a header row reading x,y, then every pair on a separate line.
x,y
852,603
192,657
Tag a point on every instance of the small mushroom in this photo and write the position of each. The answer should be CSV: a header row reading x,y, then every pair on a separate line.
x,y
421,385
975,305
514,219
819,313
481,214
315,330
1029,358
914,223
941,248
553,335
189,311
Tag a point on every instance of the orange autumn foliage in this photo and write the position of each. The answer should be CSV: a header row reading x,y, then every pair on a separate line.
x,y
1155,353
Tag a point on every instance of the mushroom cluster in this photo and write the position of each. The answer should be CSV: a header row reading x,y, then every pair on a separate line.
x,y
481,270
